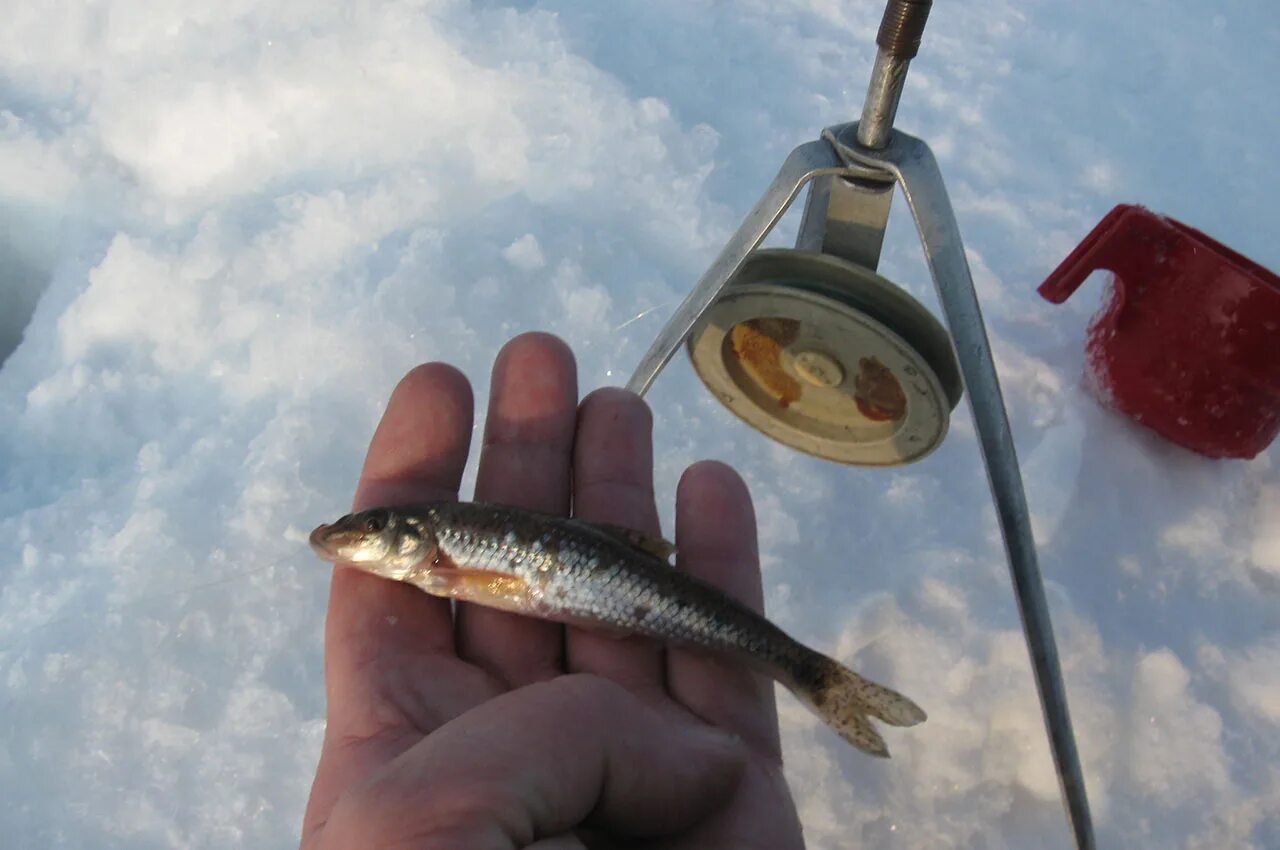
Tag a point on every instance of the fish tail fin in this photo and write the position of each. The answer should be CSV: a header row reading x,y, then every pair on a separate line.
x,y
843,700
850,724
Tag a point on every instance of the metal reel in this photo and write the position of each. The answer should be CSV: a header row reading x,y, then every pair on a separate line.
x,y
829,358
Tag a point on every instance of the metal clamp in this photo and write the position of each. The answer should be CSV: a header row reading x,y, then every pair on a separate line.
x,y
855,167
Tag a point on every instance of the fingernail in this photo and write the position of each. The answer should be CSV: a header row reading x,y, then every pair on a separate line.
x,y
709,737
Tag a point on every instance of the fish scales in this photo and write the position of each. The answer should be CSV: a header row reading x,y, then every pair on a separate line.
x,y
594,580
603,577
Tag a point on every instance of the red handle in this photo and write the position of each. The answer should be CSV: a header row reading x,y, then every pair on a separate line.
x,y
1124,242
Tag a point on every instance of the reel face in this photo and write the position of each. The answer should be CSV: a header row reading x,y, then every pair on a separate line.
x,y
829,358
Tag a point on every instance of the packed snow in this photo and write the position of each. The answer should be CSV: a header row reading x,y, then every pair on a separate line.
x,y
227,229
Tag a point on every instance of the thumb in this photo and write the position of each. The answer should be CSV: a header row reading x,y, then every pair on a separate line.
x,y
536,763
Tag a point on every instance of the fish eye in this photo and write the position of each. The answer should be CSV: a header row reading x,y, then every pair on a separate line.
x,y
374,523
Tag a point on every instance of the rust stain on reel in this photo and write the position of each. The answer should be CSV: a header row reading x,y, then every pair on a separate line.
x,y
877,392
758,346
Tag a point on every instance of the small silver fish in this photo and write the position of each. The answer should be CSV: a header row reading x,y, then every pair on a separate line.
x,y
604,577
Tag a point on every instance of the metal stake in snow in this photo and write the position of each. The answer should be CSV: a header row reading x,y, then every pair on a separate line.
x,y
816,350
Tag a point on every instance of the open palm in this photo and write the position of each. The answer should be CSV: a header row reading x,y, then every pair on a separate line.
x,y
425,701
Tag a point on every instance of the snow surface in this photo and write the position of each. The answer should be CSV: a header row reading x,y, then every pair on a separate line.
x,y
243,221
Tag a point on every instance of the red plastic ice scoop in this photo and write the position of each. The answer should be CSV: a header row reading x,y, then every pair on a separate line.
x,y
1189,344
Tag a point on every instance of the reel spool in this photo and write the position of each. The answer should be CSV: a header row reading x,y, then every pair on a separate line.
x,y
830,358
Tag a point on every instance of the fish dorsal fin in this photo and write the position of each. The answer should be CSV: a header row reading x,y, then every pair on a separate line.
x,y
655,546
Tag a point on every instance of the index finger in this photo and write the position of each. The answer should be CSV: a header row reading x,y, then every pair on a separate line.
x,y
390,669
417,455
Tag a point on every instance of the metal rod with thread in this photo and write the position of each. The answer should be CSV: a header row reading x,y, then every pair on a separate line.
x,y
898,41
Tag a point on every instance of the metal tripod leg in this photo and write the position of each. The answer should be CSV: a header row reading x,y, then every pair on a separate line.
x,y
810,160
911,160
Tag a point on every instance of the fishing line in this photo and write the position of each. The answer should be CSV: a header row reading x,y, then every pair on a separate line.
x,y
638,316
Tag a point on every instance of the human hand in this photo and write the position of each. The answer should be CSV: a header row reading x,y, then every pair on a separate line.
x,y
481,729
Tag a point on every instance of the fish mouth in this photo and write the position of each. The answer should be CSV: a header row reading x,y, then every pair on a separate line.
x,y
319,541
338,543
